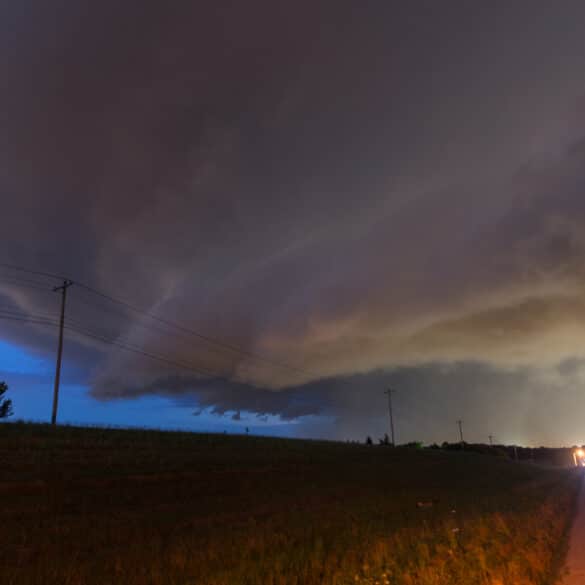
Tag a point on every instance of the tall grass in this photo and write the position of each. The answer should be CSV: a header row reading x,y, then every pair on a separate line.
x,y
94,506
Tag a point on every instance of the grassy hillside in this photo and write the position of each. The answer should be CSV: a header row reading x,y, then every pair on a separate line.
x,y
108,506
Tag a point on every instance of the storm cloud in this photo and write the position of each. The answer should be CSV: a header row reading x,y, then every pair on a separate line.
x,y
359,191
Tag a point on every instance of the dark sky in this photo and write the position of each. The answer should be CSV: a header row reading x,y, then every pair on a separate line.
x,y
372,192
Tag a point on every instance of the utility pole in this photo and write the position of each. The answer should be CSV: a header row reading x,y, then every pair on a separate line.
x,y
389,393
63,288
491,440
460,425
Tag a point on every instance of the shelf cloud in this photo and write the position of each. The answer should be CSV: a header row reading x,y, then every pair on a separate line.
x,y
350,191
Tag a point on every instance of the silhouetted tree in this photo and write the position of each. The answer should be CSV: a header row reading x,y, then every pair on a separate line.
x,y
385,440
5,404
369,440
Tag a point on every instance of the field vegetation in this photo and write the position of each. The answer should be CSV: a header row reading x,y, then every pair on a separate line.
x,y
95,506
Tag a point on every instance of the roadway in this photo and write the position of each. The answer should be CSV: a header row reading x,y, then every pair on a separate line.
x,y
575,563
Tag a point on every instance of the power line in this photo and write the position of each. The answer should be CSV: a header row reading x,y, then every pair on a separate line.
x,y
137,350
186,330
152,326
22,317
161,320
123,312
41,317
124,343
25,283
80,328
142,325
37,315
20,280
29,271
28,320
11,310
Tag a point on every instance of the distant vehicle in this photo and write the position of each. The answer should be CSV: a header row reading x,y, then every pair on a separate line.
x,y
579,457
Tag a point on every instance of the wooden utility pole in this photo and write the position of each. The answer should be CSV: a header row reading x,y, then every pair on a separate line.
x,y
390,416
491,440
63,288
460,425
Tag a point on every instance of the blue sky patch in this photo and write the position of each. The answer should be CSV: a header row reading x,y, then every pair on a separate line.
x,y
14,359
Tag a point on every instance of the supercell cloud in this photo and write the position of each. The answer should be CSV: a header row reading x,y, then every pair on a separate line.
x,y
367,192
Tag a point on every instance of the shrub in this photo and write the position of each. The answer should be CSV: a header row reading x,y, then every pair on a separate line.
x,y
5,404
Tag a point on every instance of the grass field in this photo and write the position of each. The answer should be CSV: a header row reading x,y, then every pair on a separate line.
x,y
131,507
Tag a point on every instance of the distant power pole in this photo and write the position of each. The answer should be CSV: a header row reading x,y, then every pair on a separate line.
x,y
391,418
491,440
63,288
460,425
